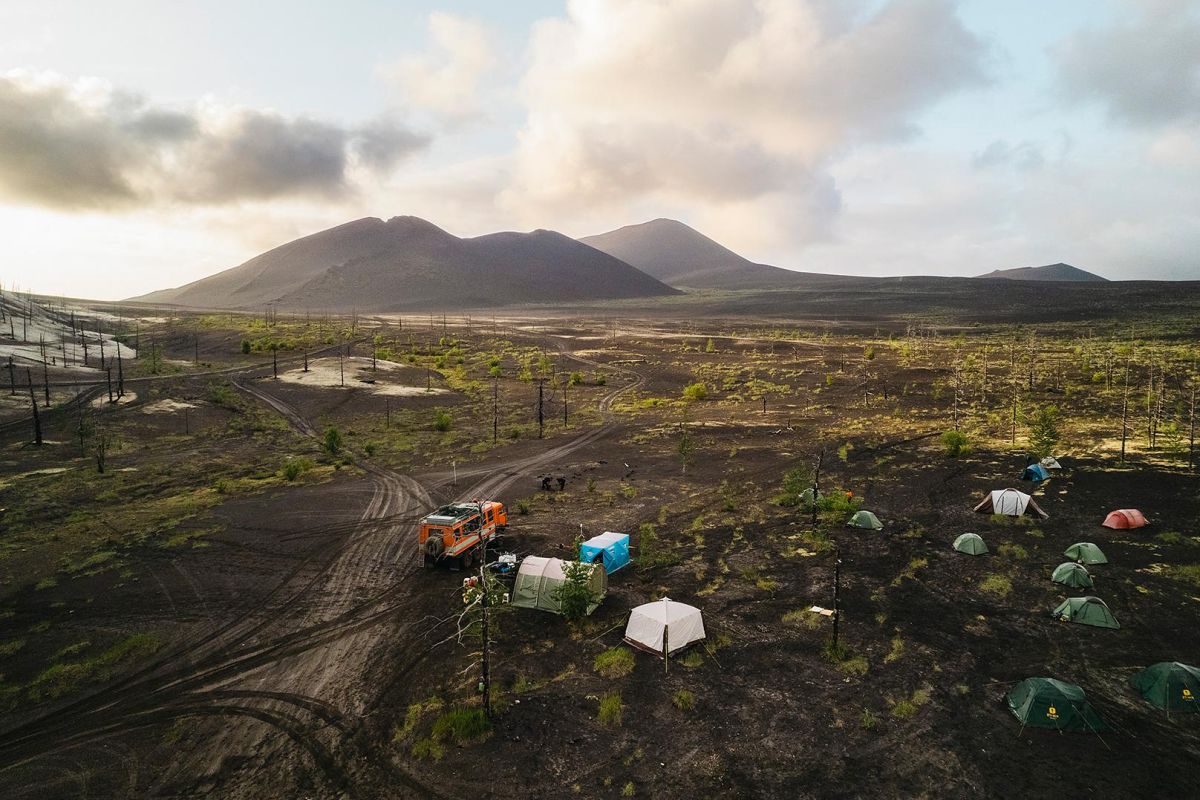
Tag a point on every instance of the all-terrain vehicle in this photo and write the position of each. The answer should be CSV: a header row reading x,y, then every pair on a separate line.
x,y
454,533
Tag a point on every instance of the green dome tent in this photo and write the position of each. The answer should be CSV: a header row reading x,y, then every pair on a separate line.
x,y
865,519
1073,575
970,543
1086,611
1170,686
1086,553
1054,704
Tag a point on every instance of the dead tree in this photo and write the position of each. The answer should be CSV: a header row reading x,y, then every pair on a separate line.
x,y
120,373
1125,412
1192,428
541,417
12,377
37,420
45,372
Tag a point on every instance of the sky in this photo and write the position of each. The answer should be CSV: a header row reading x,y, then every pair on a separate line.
x,y
146,144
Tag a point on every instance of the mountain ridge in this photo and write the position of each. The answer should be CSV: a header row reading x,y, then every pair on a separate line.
x,y
405,262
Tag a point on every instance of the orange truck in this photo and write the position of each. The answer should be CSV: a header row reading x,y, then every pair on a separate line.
x,y
454,533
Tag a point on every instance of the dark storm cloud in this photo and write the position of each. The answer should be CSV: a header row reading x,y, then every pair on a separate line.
x,y
381,143
83,146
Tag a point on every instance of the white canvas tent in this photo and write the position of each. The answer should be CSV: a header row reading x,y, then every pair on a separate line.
x,y
678,623
1050,462
1010,502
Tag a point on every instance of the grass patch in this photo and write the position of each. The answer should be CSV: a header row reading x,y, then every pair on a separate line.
x,y
691,659
867,720
845,659
1189,573
62,678
897,651
11,646
904,709
684,700
802,618
616,662
1170,537
1014,551
997,584
461,726
611,711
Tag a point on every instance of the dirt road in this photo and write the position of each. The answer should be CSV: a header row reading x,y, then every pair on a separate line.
x,y
289,682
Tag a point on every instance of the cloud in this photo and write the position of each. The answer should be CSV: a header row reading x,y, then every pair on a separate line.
x,y
85,145
1143,68
732,108
445,80
1022,156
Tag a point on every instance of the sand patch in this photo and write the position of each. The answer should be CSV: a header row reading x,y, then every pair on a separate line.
x,y
397,390
102,400
353,373
167,406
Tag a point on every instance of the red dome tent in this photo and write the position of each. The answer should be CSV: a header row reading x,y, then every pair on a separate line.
x,y
1124,518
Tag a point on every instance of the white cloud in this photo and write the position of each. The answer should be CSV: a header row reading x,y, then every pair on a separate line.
x,y
446,79
1143,68
734,109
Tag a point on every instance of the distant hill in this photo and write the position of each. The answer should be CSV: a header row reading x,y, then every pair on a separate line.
x,y
1050,272
683,257
407,262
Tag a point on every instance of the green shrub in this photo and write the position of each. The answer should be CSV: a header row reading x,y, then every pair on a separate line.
x,y
683,700
245,346
695,392
651,550
611,710
574,594
795,482
867,721
1043,431
523,507
616,662
332,443
955,443
441,420
296,467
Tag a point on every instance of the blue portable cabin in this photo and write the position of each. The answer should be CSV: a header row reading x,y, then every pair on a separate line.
x,y
612,549
1036,473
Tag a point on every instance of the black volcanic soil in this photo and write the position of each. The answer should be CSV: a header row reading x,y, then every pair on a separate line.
x,y
772,717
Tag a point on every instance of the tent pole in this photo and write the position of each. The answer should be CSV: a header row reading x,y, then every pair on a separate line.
x,y
666,647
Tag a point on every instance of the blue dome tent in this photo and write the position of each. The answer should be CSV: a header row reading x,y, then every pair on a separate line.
x,y
612,548
1035,472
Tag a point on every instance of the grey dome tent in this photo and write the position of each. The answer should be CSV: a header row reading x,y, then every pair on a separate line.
x,y
1086,611
865,519
1009,502
1071,574
1054,704
970,543
1169,685
1086,553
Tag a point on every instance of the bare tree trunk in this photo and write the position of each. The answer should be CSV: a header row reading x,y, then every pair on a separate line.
x,y
1125,413
37,420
